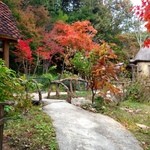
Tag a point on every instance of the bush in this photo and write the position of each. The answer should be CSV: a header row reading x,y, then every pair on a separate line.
x,y
8,82
137,91
12,90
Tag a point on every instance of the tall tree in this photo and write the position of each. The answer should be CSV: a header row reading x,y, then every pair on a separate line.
x,y
24,55
115,19
109,17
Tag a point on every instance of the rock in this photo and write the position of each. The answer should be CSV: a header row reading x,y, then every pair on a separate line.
x,y
80,101
142,126
77,129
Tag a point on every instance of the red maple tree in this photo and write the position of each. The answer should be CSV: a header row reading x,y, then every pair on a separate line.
x,y
23,54
78,36
48,49
74,37
143,12
23,50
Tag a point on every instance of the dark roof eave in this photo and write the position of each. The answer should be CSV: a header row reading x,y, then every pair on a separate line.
x,y
8,37
135,61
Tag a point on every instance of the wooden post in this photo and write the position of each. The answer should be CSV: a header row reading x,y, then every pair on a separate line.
x,y
1,125
6,53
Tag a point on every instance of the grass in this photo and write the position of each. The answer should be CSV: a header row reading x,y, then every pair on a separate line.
x,y
32,131
130,113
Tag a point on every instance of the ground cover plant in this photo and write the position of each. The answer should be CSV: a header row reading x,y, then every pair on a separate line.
x,y
135,117
32,131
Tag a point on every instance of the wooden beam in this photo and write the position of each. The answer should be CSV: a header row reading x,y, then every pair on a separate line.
x,y
6,53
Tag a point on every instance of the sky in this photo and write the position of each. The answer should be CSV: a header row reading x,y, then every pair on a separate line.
x,y
136,2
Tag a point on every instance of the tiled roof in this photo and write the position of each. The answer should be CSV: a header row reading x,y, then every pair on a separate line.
x,y
8,27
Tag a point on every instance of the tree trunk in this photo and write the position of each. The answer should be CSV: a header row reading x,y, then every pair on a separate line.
x,y
36,66
49,93
93,95
57,90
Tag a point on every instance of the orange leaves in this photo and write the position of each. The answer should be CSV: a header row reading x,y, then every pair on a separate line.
x,y
105,50
68,39
103,70
84,27
77,36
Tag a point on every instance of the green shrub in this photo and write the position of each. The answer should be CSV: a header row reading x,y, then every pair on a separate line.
x,y
8,82
137,91
11,89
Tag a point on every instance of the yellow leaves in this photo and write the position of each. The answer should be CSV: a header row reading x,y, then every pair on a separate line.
x,y
104,50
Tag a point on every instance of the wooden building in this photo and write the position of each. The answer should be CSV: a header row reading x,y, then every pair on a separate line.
x,y
141,63
8,31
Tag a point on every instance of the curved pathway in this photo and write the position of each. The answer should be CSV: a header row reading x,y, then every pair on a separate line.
x,y
77,129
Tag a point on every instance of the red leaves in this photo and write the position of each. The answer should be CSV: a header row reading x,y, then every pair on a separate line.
x,y
49,48
77,36
147,43
143,12
23,51
41,52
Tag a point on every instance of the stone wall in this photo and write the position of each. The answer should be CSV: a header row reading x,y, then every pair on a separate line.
x,y
143,69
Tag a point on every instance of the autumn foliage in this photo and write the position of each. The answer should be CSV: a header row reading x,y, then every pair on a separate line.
x,y
74,37
103,71
77,36
49,47
23,54
143,12
67,40
23,51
